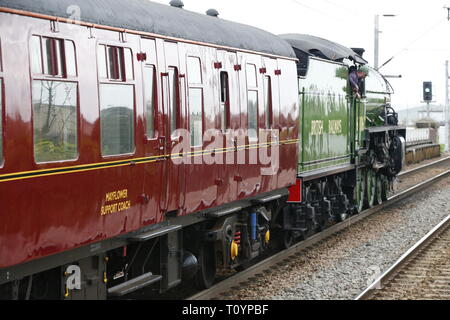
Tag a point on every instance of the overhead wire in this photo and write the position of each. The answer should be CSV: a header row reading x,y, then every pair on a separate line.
x,y
413,42
316,10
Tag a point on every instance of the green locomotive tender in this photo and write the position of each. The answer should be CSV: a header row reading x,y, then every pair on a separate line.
x,y
351,147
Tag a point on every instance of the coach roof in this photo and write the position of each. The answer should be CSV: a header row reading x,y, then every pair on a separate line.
x,y
322,48
147,16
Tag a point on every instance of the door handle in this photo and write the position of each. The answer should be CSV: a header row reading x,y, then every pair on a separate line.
x,y
162,144
175,141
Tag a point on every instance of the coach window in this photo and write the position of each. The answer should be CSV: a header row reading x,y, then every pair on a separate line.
x,y
101,62
115,69
128,64
175,116
55,99
252,102
52,51
268,102
70,60
149,99
195,101
1,107
1,119
224,101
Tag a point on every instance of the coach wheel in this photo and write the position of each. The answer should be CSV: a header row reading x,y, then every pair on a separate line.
x,y
360,190
288,239
371,187
206,274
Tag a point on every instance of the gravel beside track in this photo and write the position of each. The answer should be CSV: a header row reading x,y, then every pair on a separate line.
x,y
342,266
404,182
424,273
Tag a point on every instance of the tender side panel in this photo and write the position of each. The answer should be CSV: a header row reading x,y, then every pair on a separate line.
x,y
325,116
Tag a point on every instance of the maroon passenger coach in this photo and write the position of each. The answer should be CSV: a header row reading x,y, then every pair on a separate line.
x,y
127,130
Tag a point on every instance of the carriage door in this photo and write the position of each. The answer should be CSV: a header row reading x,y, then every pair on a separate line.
x,y
229,123
155,165
269,125
174,101
251,84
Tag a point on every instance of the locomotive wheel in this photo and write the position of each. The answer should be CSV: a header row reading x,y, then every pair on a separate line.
x,y
311,197
343,216
360,190
379,189
384,187
327,219
371,188
206,274
337,190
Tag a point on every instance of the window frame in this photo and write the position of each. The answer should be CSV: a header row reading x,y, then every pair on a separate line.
x,y
190,58
2,110
122,82
178,116
200,86
154,92
1,58
225,124
253,138
55,60
201,89
133,151
55,78
252,88
120,65
268,105
2,116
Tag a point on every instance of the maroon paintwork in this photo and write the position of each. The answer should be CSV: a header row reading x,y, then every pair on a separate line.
x,y
45,215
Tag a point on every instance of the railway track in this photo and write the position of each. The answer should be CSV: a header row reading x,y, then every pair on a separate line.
x,y
271,264
421,273
437,163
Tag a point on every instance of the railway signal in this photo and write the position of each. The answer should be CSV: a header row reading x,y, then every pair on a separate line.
x,y
427,91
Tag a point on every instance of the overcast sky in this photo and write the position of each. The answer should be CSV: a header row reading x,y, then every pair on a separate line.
x,y
418,36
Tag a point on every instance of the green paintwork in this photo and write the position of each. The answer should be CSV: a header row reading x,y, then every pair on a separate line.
x,y
325,116
360,122
332,121
377,96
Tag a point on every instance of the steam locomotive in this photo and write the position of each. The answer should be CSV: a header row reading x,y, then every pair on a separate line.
x,y
143,145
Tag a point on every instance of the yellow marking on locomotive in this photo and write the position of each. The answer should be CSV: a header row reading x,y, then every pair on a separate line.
x,y
362,123
335,127
316,127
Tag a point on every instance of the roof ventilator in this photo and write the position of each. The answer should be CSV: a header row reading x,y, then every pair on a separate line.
x,y
212,13
177,4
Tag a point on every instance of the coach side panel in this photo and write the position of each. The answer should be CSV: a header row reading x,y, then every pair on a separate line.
x,y
77,156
